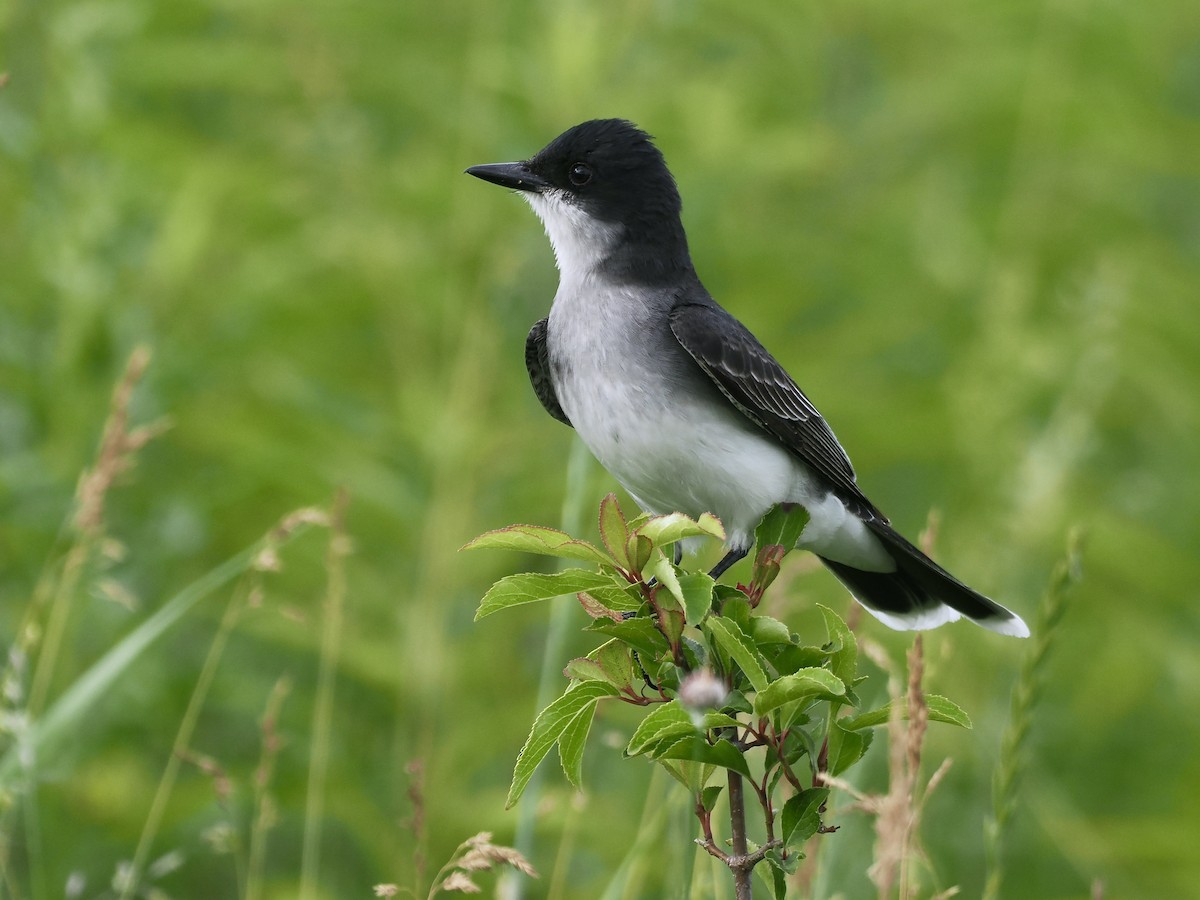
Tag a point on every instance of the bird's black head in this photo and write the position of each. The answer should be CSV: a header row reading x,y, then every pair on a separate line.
x,y
606,197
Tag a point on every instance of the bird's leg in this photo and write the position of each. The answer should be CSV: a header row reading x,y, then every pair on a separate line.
x,y
645,675
728,560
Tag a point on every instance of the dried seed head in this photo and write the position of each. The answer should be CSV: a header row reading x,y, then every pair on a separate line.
x,y
702,691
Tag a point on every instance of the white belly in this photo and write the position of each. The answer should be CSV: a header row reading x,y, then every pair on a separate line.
x,y
694,454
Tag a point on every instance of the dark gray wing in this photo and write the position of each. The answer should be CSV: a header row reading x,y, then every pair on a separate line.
x,y
537,361
759,387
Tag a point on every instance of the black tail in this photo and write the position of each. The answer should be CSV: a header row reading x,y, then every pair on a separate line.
x,y
920,594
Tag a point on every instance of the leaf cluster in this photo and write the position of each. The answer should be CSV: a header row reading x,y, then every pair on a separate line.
x,y
726,687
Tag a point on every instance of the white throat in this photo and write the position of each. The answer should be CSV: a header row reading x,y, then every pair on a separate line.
x,y
580,241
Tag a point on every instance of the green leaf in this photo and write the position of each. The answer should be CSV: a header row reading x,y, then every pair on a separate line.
x,y
615,659
734,606
670,617
638,548
806,684
662,569
708,798
538,539
799,743
584,669
692,775
664,530
773,876
532,587
549,726
774,537
767,562
639,633
571,743
616,597
802,816
638,521
844,660
697,588
595,609
846,747
614,531
718,720
669,721
765,630
786,865
941,709
787,660
695,748
693,591
610,662
734,643
782,525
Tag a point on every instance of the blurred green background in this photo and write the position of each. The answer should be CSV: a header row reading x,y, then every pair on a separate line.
x,y
971,231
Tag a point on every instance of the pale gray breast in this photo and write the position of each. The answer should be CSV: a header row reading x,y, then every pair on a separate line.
x,y
613,360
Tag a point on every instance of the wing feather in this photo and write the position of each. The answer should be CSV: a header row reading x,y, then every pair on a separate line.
x,y
537,362
763,391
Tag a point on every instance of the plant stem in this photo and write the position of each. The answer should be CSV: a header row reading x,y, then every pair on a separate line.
x,y
556,636
1025,696
737,823
322,728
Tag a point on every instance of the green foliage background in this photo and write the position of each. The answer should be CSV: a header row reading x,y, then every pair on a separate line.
x,y
971,231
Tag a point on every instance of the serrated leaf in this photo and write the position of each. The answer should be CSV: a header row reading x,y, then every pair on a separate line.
x,y
638,548
539,539
709,796
531,587
799,743
617,596
773,876
695,748
666,722
843,661
734,643
802,816
662,569
782,525
572,742
767,561
738,702
549,726
941,709
584,669
846,747
615,660
595,609
692,775
765,630
610,662
697,588
670,618
614,532
792,659
639,632
664,530
718,720
806,684
774,537
638,521
734,606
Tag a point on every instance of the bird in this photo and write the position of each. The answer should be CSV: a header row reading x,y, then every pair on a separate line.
x,y
676,398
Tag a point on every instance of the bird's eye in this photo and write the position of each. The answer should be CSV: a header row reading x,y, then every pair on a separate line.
x,y
580,174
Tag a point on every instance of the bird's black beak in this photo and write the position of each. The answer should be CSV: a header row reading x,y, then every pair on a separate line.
x,y
511,175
